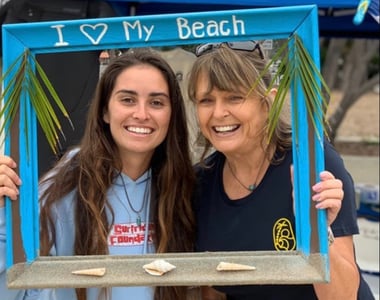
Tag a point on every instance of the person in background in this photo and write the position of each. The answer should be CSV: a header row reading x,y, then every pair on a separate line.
x,y
245,186
132,168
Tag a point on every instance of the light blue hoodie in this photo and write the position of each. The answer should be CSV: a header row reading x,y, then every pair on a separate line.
x,y
126,238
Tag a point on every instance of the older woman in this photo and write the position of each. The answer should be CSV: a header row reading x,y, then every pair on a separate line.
x,y
245,186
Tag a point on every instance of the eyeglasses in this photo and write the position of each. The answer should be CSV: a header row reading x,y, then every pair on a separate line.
x,y
249,46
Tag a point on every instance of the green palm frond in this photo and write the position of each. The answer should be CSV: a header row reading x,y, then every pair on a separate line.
x,y
296,65
27,79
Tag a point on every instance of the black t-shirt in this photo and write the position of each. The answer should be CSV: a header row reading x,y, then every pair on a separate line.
x,y
262,221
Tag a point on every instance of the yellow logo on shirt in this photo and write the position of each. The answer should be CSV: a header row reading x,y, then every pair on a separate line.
x,y
283,235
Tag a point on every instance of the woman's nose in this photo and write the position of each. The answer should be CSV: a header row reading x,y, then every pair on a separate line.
x,y
141,112
220,110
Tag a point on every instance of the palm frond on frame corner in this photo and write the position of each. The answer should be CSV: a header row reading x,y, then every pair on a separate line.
x,y
296,65
26,79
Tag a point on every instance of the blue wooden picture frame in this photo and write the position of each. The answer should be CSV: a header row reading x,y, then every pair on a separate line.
x,y
309,263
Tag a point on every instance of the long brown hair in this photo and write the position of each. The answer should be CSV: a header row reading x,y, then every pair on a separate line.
x,y
235,70
92,170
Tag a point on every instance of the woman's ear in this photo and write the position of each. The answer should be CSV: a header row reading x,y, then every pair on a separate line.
x,y
106,117
273,93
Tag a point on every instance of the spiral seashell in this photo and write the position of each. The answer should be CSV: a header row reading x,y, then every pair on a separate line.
x,y
158,267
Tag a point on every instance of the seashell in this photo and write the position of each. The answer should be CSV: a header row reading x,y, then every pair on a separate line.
x,y
158,267
99,272
225,266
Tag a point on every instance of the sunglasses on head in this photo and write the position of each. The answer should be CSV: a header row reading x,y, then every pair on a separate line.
x,y
249,46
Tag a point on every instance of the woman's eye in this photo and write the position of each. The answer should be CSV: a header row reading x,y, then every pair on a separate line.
x,y
236,98
204,101
157,102
127,100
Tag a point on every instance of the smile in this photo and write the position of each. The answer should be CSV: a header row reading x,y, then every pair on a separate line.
x,y
227,128
140,130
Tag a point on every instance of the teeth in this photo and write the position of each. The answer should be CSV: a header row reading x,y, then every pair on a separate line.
x,y
225,128
139,129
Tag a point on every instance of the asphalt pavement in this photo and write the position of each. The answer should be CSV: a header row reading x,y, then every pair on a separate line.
x,y
364,169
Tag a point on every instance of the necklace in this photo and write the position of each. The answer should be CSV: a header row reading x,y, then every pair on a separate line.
x,y
137,212
252,186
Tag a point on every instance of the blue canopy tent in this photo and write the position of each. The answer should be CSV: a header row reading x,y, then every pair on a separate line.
x,y
335,17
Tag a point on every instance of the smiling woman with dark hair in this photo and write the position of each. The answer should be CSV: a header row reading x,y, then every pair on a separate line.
x,y
126,188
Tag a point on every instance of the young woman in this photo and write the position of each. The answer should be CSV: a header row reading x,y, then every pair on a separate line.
x,y
245,188
132,168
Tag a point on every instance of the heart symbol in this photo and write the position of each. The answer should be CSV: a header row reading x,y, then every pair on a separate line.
x,y
86,28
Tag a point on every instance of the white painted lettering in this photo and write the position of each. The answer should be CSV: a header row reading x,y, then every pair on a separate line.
x,y
182,25
60,42
199,29
95,32
135,25
224,31
213,28
148,31
235,26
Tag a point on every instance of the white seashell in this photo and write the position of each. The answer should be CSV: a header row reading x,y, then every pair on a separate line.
x,y
158,267
225,266
91,272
